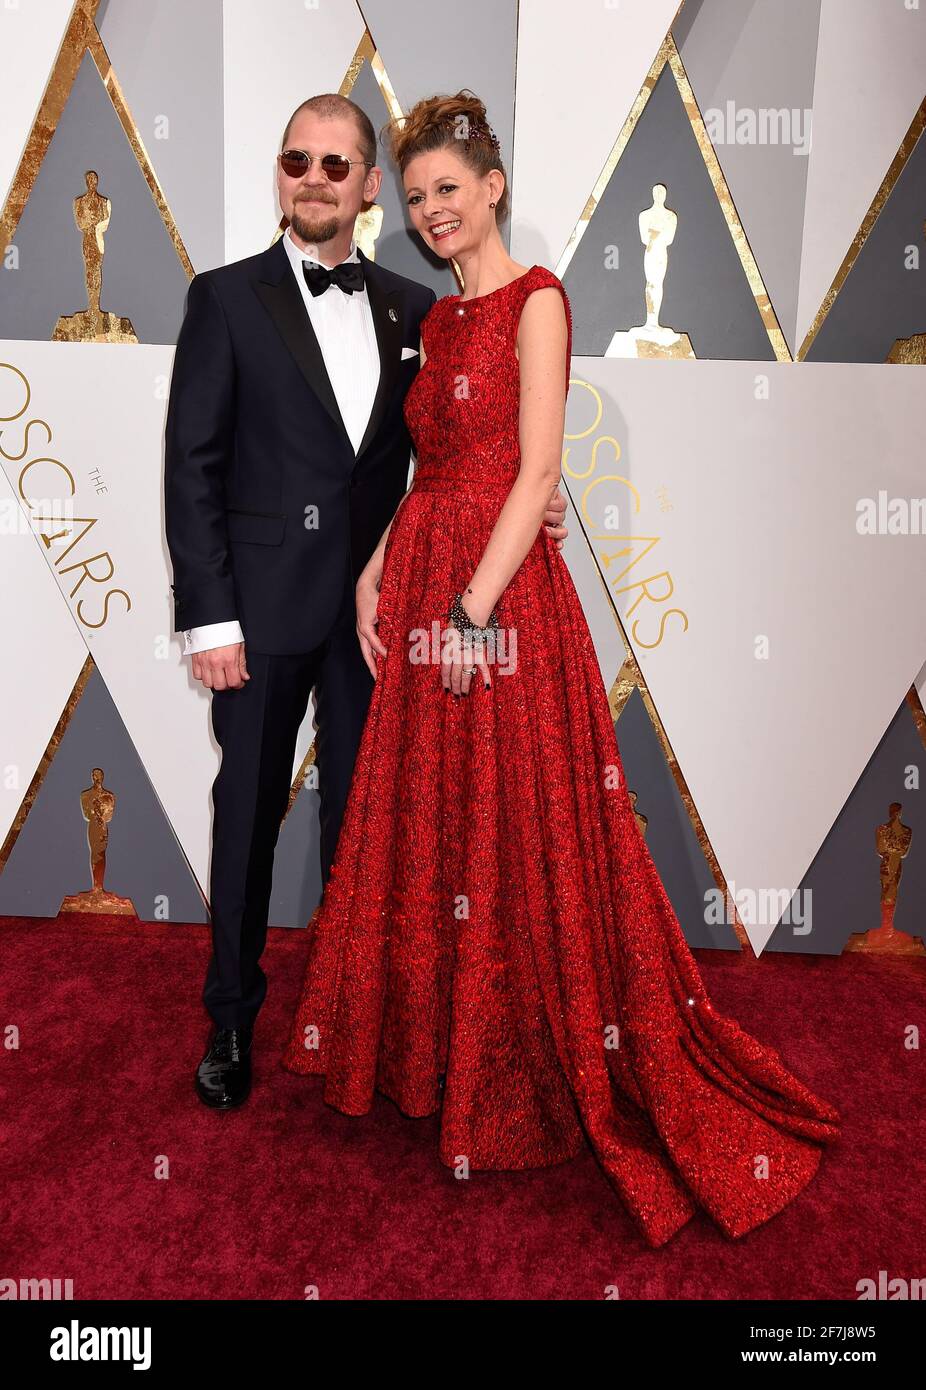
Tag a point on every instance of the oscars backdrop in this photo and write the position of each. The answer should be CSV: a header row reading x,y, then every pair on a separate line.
x,y
734,196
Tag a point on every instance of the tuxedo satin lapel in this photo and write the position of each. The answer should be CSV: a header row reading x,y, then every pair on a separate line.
x,y
389,340
283,300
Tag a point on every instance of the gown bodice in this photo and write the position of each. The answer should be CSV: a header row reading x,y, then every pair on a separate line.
x,y
462,409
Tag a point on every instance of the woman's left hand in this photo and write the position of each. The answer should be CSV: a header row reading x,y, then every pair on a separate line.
x,y
457,661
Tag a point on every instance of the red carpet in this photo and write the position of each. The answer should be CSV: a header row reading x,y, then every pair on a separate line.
x,y
285,1193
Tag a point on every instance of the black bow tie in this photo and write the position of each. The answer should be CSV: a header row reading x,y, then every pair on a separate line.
x,y
348,276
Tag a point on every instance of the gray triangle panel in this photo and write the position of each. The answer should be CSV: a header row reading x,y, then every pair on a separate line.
x,y
843,881
707,294
143,279
51,858
883,297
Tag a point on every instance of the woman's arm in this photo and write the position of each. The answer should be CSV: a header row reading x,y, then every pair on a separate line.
x,y
366,596
542,341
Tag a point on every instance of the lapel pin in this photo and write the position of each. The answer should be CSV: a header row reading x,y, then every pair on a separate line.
x,y
392,315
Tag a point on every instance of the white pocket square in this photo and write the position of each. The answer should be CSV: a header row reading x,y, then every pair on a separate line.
x,y
409,352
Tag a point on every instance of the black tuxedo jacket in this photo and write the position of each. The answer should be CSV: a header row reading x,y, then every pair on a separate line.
x,y
269,514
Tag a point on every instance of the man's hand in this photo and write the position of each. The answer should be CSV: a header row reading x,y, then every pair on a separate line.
x,y
553,519
221,668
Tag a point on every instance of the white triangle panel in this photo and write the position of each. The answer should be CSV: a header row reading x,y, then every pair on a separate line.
x,y
43,650
106,407
746,588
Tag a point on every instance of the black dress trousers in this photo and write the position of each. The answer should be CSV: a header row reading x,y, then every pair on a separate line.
x,y
256,728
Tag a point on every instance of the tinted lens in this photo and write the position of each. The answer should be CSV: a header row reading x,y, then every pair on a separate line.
x,y
294,163
336,167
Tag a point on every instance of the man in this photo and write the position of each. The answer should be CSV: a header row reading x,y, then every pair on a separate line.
x,y
286,455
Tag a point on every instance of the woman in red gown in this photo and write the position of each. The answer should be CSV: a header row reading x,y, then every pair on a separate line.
x,y
494,940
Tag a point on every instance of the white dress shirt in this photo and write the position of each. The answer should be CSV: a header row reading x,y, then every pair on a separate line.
x,y
343,325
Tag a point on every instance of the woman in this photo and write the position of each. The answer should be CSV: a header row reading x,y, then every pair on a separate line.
x,y
494,938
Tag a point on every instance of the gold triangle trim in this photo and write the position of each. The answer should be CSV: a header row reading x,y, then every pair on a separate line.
x,y
299,780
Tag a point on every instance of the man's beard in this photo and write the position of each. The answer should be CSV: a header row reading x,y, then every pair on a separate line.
x,y
311,223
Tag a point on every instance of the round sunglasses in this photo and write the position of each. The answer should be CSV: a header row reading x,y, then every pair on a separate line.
x,y
336,167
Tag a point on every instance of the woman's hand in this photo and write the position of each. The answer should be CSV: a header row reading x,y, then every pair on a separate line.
x,y
367,597
458,657
553,518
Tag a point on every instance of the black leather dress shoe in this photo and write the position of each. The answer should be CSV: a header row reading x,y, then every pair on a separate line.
x,y
223,1077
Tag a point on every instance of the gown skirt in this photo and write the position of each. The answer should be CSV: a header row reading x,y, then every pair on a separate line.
x,y
493,914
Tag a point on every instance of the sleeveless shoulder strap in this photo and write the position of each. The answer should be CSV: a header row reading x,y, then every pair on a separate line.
x,y
538,278
430,323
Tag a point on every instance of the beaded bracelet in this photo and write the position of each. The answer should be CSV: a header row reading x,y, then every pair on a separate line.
x,y
464,624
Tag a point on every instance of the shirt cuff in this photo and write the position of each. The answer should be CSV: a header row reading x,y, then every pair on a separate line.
x,y
202,639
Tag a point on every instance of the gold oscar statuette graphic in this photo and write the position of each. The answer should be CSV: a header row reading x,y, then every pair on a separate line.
x,y
98,804
658,225
93,325
909,351
892,843
367,226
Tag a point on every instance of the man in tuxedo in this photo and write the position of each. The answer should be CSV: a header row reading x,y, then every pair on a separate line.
x,y
286,455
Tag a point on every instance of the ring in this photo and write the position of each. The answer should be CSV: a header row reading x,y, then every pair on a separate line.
x,y
472,670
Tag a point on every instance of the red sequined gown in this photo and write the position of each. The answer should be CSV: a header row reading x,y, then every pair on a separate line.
x,y
566,1007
